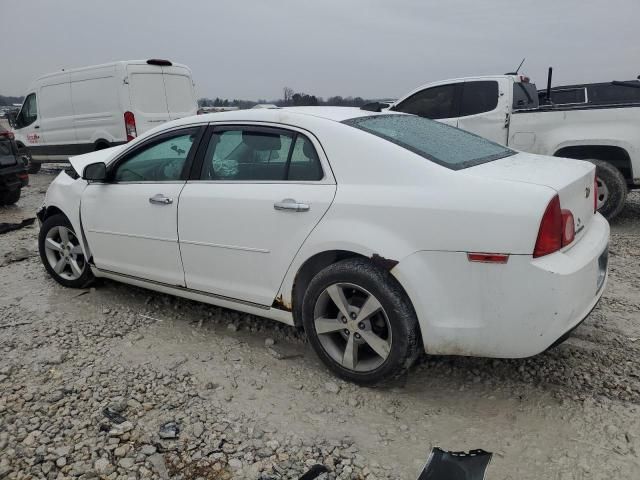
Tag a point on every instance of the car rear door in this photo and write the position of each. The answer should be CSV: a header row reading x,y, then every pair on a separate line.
x,y
255,196
484,109
131,219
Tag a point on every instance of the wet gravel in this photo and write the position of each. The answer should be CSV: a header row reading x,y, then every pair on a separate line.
x,y
117,382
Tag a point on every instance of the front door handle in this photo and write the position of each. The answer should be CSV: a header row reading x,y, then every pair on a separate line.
x,y
160,199
291,204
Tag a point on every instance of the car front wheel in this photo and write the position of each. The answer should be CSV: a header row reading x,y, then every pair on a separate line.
x,y
62,254
360,322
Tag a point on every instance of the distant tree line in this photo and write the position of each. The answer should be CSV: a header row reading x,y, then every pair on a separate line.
x,y
7,101
290,98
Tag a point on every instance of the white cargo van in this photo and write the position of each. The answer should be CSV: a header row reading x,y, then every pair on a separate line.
x,y
85,109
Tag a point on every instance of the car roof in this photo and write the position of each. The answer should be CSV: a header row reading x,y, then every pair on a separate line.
x,y
337,114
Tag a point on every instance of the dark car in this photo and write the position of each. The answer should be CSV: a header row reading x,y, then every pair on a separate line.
x,y
13,172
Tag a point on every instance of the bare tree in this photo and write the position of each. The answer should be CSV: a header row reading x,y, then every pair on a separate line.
x,y
287,93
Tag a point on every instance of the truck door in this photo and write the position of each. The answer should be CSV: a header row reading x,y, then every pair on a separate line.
x,y
484,109
437,103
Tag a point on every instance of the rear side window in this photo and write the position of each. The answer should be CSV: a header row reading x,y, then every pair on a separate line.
x,y
525,96
479,97
448,146
434,103
246,154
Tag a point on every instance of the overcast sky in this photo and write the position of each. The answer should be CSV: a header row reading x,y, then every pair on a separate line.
x,y
251,49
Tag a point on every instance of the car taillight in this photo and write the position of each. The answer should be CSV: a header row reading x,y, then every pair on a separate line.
x,y
557,229
568,228
595,194
130,125
8,135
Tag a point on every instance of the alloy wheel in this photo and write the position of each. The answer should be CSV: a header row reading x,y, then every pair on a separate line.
x,y
352,327
64,253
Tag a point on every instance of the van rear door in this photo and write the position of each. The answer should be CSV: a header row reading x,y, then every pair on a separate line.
x,y
147,96
181,98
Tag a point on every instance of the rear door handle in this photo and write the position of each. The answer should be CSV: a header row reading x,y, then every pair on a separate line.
x,y
160,199
291,204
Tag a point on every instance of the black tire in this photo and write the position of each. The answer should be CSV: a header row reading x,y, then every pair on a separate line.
x,y
10,197
33,167
616,187
405,345
86,278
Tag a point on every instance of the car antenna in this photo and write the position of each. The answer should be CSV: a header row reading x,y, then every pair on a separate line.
x,y
517,69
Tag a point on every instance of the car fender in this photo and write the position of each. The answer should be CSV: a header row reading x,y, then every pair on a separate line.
x,y
65,194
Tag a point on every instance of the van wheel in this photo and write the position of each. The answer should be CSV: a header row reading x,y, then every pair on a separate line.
x,y
360,322
33,167
612,189
62,254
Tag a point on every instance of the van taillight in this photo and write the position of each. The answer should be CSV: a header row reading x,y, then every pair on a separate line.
x,y
557,229
130,125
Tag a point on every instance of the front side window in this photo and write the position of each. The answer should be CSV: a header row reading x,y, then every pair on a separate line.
x,y
159,161
434,103
479,97
246,154
448,146
29,111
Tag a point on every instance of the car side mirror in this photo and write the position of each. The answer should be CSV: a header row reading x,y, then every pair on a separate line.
x,y
12,118
95,172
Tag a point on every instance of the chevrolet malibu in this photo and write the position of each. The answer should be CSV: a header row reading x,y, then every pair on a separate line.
x,y
383,235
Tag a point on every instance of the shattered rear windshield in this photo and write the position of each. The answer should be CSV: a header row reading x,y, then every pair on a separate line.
x,y
440,143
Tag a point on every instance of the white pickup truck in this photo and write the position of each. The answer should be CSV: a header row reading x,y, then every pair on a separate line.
x,y
505,109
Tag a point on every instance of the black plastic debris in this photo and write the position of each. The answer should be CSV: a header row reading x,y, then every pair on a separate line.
x,y
443,465
314,472
113,415
8,227
169,430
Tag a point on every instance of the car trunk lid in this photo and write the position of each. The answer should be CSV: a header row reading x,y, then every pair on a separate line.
x,y
573,180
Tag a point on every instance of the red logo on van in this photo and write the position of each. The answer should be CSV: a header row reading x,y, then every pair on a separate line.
x,y
33,138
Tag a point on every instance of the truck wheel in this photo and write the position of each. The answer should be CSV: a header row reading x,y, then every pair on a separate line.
x,y
612,189
11,197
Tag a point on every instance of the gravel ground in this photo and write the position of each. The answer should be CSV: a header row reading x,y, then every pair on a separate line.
x,y
117,382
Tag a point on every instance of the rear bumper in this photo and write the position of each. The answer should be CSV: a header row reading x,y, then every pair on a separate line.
x,y
14,177
511,310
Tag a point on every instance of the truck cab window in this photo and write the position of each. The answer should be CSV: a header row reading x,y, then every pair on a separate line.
x,y
434,103
479,97
29,111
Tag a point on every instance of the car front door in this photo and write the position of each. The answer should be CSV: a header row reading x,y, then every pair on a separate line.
x,y
257,195
437,103
130,220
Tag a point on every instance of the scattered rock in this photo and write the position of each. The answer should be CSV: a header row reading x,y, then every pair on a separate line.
x,y
169,430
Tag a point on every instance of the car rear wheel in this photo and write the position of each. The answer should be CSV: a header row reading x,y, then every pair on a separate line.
x,y
360,322
612,189
62,254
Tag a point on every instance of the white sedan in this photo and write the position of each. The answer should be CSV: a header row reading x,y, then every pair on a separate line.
x,y
382,234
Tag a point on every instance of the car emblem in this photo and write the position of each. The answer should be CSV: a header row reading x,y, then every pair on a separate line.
x,y
587,191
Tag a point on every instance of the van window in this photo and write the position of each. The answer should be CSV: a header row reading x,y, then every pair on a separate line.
x,y
29,111
434,103
147,92
55,101
179,93
96,95
479,97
